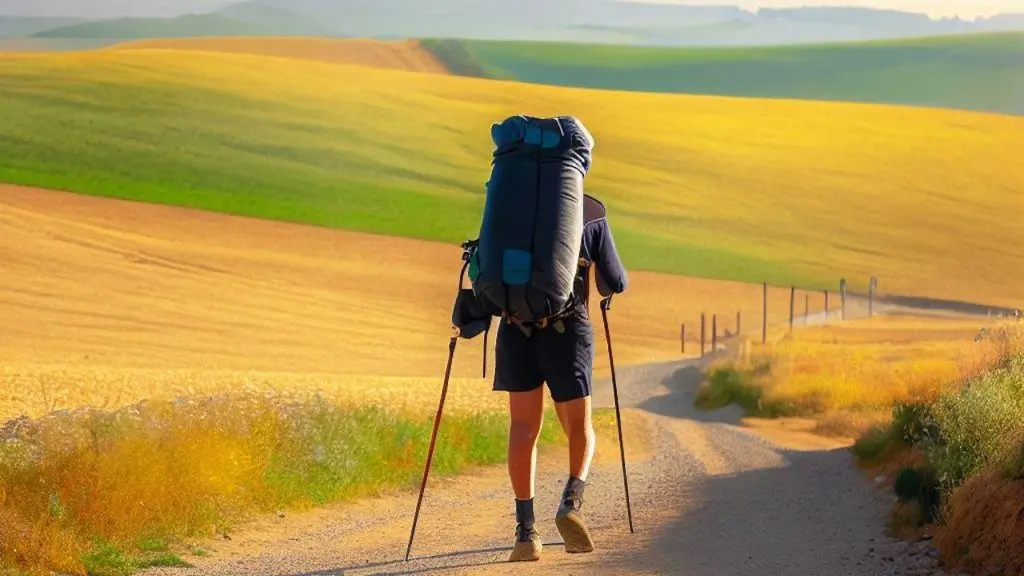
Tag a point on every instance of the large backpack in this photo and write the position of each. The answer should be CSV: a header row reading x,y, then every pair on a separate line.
x,y
527,255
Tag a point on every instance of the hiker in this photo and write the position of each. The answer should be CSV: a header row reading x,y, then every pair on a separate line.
x,y
539,239
561,355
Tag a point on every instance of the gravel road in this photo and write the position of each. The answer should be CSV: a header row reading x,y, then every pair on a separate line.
x,y
709,498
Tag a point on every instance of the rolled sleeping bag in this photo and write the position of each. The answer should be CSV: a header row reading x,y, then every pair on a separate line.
x,y
532,224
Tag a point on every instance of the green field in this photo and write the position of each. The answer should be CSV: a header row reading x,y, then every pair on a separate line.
x,y
783,191
976,72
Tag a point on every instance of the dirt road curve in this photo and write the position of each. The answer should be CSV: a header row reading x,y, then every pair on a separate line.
x,y
709,498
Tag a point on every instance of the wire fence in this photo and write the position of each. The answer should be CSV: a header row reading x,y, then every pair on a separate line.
x,y
813,307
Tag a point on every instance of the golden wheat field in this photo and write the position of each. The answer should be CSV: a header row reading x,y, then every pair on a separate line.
x,y
107,302
398,54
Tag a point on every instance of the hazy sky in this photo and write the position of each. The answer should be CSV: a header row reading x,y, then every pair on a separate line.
x,y
108,8
935,8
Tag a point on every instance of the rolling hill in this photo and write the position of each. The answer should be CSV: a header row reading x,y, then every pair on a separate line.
x,y
977,72
402,55
25,26
182,26
785,191
247,19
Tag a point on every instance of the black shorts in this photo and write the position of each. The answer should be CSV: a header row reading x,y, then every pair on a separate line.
x,y
564,360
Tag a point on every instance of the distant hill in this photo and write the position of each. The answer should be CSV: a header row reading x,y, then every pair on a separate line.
x,y
625,22
277,20
182,26
247,19
25,26
595,21
977,72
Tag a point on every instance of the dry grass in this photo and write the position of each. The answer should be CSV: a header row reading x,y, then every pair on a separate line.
x,y
982,533
399,55
87,489
109,302
849,376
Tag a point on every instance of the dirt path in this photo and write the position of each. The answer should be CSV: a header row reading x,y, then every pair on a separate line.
x,y
709,498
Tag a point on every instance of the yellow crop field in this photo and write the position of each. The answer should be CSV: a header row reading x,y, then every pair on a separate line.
x,y
849,375
107,302
927,200
399,54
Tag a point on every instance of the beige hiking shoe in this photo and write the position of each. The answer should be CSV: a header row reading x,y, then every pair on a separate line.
x,y
569,519
528,545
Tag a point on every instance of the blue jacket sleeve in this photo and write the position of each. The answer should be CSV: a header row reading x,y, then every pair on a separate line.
x,y
610,273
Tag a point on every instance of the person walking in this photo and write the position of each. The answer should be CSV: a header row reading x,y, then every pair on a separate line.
x,y
561,354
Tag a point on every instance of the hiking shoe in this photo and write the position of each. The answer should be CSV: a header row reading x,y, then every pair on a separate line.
x,y
569,519
528,545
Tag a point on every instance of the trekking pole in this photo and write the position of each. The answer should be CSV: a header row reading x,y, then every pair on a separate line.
x,y
456,334
433,438
605,305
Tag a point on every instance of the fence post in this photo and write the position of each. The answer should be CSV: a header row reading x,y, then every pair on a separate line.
x,y
792,306
826,305
702,334
738,324
872,286
682,339
807,308
764,316
842,296
714,333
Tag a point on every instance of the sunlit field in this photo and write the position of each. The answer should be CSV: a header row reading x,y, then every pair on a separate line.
x,y
850,375
753,190
401,54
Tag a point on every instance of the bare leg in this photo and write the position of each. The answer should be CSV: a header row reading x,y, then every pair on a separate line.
x,y
576,422
526,411
575,417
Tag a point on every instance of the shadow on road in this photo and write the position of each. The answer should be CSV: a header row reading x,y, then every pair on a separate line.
x,y
809,516
390,566
682,385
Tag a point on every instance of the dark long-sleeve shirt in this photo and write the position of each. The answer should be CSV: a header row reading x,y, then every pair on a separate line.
x,y
598,247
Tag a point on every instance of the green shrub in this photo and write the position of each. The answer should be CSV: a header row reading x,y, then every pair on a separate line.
x,y
729,385
873,443
1013,468
908,484
913,423
919,485
980,425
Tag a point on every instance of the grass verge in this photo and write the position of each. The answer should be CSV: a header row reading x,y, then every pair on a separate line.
x,y
849,376
960,469
108,493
